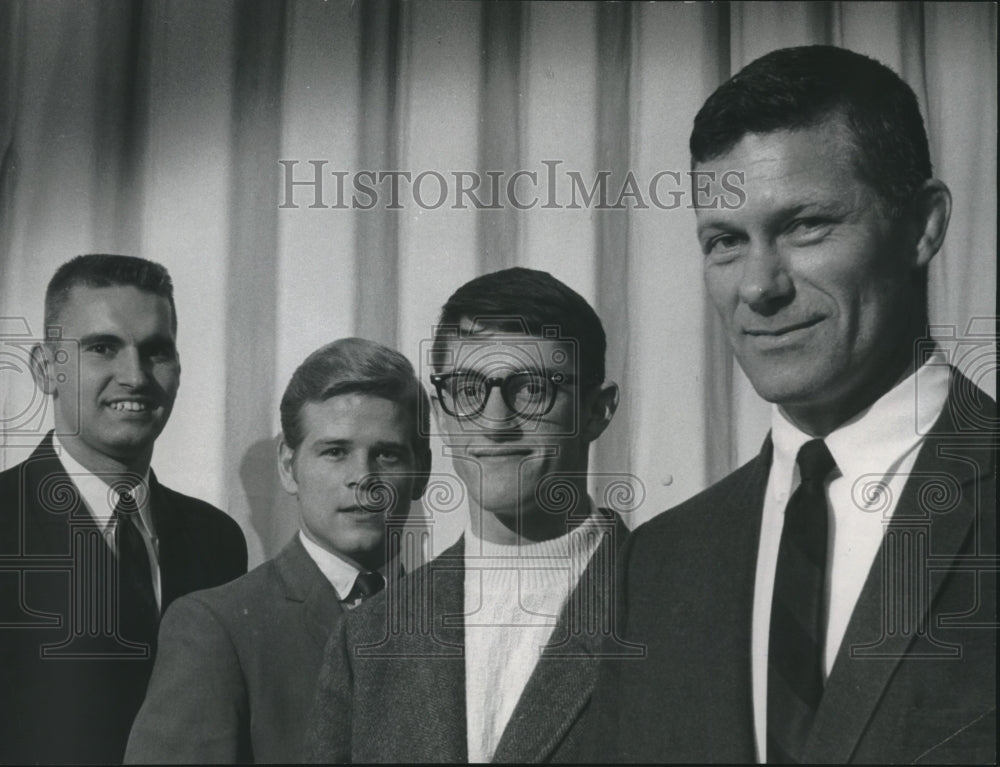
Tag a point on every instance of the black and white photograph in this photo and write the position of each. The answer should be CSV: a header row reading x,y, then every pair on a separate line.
x,y
402,381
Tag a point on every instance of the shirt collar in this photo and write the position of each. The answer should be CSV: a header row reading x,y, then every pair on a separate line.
x,y
877,439
335,569
101,498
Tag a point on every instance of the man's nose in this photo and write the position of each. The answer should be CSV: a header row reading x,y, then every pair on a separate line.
x,y
372,491
766,284
131,368
497,419
360,470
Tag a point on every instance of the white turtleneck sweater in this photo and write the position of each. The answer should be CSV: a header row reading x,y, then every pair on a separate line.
x,y
513,598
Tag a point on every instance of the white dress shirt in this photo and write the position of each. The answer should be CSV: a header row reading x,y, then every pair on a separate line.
x,y
339,572
100,498
875,452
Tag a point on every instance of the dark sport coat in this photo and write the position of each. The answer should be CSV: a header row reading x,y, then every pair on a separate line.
x,y
237,666
69,689
915,676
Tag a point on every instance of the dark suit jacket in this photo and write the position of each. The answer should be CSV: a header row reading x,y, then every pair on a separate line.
x,y
915,677
236,667
392,687
69,687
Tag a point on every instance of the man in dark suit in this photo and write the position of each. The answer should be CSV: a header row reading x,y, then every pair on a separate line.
x,y
237,664
834,600
93,546
488,653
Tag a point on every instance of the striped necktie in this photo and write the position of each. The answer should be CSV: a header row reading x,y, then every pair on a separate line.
x,y
797,636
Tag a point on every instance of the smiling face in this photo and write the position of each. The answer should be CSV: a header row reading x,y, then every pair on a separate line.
x,y
511,464
354,467
820,293
114,376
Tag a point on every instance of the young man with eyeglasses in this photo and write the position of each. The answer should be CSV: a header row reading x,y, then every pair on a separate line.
x,y
496,639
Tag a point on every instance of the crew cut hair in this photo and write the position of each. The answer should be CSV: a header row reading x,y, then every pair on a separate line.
x,y
531,302
103,270
794,88
356,365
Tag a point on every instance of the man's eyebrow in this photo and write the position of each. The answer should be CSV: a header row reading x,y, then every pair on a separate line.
x,y
158,339
816,206
719,224
461,371
322,443
383,443
813,206
100,338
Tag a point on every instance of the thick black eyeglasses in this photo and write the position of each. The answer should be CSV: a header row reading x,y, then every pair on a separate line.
x,y
527,393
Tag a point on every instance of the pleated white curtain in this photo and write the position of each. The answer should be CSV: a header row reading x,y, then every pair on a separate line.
x,y
172,129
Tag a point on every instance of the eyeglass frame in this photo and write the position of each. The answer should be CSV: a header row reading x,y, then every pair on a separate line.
x,y
564,379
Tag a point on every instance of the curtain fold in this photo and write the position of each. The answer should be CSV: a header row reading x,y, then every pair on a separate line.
x,y
309,170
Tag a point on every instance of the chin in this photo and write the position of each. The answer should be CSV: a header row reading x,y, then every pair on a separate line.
x,y
371,559
363,544
786,385
121,449
137,436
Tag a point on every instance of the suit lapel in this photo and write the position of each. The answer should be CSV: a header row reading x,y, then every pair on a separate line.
x,y
179,572
445,679
879,633
561,684
412,640
51,503
303,582
729,578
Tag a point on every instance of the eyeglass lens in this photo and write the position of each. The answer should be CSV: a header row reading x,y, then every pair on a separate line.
x,y
524,393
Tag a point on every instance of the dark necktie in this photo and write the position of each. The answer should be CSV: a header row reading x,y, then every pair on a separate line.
x,y
138,615
365,585
798,626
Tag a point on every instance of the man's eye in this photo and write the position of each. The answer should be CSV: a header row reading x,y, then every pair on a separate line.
x,y
468,388
530,387
102,349
335,452
722,246
162,354
808,227
803,223
389,457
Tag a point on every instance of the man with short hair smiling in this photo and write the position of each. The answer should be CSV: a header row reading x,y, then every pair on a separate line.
x,y
237,664
495,638
99,548
825,602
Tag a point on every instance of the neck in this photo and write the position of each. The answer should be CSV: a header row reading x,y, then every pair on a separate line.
x,y
362,561
106,466
820,419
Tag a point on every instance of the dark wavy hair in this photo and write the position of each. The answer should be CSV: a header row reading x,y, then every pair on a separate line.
x,y
528,301
356,365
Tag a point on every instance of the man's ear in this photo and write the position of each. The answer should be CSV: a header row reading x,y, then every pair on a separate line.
x,y
41,368
932,210
599,413
286,468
